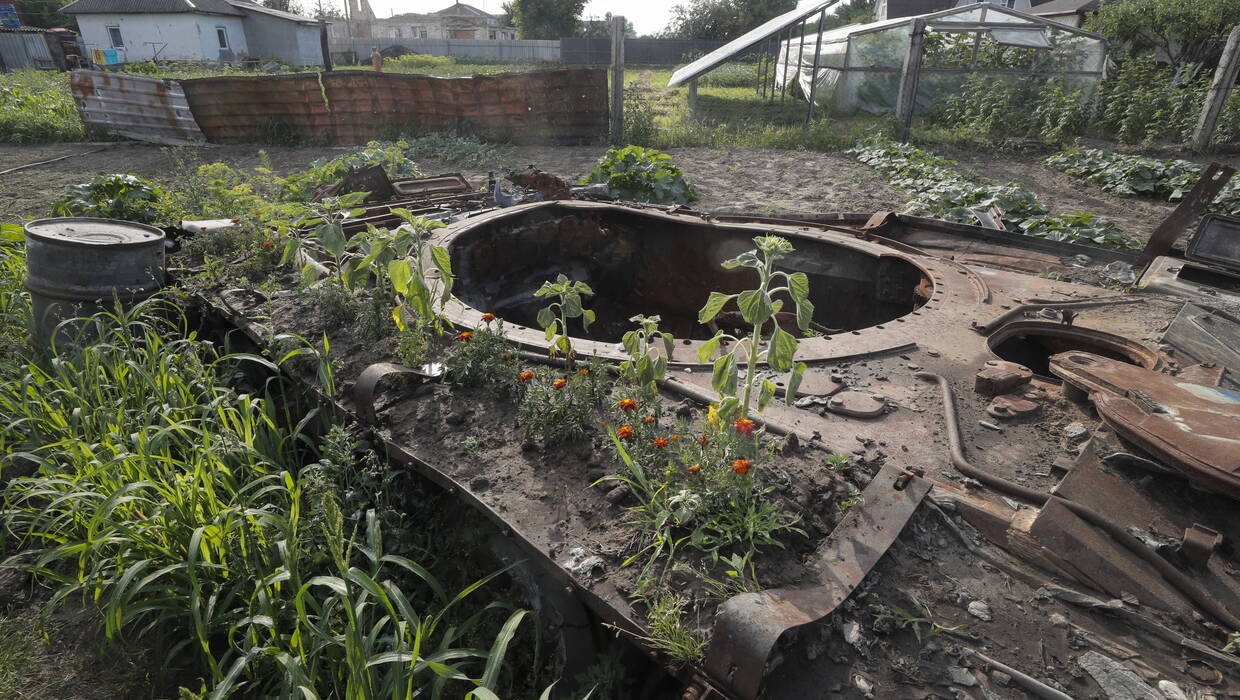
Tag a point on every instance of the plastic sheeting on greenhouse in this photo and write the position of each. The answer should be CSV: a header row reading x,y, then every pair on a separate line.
x,y
859,67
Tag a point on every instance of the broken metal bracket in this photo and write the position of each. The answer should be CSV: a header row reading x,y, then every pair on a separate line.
x,y
368,383
1190,208
749,625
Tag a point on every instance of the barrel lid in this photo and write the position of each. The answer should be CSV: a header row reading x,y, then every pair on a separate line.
x,y
82,231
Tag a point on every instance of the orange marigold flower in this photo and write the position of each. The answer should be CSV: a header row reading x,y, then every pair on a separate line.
x,y
703,440
464,335
525,376
744,426
625,432
741,466
583,372
673,437
694,469
268,245
648,419
628,405
659,443
488,317
560,383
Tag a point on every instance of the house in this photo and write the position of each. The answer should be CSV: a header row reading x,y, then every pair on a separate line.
x,y
196,30
458,21
892,9
1070,12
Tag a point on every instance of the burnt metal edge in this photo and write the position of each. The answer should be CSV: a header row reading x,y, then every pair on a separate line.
x,y
749,625
407,458
950,294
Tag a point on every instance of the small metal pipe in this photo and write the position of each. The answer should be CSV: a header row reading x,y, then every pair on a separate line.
x,y
1029,683
813,79
994,324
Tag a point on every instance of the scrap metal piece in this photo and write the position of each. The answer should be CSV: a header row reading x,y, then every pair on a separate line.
x,y
1198,544
1192,427
450,183
368,382
545,184
748,625
1199,335
134,106
372,179
1190,208
1001,377
1011,406
858,404
1216,241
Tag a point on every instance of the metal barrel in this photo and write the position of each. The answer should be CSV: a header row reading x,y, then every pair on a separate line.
x,y
80,266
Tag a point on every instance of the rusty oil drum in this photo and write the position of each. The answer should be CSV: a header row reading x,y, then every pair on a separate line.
x,y
80,266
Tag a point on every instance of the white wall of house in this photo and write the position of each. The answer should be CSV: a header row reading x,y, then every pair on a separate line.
x,y
170,37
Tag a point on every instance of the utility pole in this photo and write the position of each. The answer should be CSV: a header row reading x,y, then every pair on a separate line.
x,y
1216,98
617,80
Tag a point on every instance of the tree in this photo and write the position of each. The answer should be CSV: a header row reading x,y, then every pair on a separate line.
x,y
722,19
283,6
327,10
1183,32
601,28
44,13
545,19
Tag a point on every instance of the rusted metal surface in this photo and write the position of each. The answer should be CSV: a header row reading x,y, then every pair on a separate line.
x,y
1190,208
1019,312
748,625
1000,377
372,179
546,184
449,183
368,383
1206,336
551,107
1191,427
136,107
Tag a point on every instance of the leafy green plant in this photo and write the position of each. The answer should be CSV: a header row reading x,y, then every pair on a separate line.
x,y
922,622
37,107
639,125
642,175
126,197
557,407
758,307
483,357
420,273
392,156
665,612
645,366
1141,176
325,220
554,317
940,191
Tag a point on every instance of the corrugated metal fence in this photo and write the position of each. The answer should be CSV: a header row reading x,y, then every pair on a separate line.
x,y
142,108
505,49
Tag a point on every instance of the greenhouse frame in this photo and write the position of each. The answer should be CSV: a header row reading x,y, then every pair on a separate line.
x,y
866,67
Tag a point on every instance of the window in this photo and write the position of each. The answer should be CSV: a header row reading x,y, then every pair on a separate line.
x,y
422,34
222,34
115,34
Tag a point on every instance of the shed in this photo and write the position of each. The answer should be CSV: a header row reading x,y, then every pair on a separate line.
x,y
861,67
26,47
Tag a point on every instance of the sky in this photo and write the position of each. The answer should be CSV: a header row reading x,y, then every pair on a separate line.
x,y
647,16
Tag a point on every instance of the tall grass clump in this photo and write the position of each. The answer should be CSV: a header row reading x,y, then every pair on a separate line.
x,y
36,107
179,506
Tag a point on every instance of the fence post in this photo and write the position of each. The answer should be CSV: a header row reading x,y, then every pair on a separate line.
x,y
693,100
325,45
1216,98
908,80
617,80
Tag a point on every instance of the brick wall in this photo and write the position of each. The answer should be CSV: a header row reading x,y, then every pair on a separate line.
x,y
551,107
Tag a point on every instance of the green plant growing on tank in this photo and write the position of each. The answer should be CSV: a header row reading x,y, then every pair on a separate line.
x,y
554,317
116,196
325,222
642,368
409,270
758,307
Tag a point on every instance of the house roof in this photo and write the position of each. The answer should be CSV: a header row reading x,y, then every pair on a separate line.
x,y
460,9
144,7
1063,7
250,6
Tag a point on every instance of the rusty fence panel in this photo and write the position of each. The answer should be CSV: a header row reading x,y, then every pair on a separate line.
x,y
141,108
557,107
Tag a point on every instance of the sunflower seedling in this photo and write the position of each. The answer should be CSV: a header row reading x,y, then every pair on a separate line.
x,y
758,307
554,317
